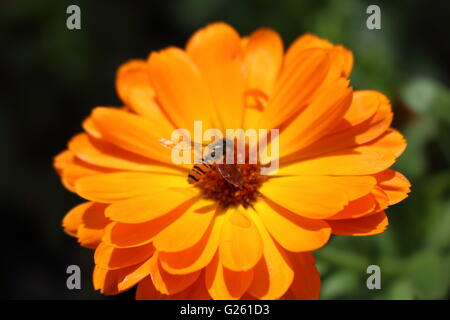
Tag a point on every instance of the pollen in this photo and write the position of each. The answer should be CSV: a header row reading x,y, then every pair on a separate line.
x,y
215,187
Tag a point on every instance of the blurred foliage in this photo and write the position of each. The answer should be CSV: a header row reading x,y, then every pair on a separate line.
x,y
52,77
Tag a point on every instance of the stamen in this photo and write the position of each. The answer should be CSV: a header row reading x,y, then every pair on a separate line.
x,y
215,187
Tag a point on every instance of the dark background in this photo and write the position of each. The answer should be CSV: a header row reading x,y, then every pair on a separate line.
x,y
52,77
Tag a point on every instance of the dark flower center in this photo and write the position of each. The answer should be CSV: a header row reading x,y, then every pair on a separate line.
x,y
215,187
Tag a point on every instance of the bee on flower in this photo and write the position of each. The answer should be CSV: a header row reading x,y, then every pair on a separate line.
x,y
234,233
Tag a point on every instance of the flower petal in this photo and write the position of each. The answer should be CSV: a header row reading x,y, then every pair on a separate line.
x,y
167,283
263,59
240,244
110,258
93,224
292,232
130,132
304,194
361,160
306,284
217,51
187,230
127,235
75,169
295,87
365,226
225,284
97,152
142,209
391,140
118,186
354,129
73,219
364,105
197,291
357,208
198,256
341,58
135,276
135,89
394,184
180,88
319,118
304,42
273,274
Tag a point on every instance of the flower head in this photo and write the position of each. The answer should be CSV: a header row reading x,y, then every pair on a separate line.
x,y
213,239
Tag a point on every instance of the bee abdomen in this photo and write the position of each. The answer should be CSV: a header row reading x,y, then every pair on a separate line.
x,y
197,172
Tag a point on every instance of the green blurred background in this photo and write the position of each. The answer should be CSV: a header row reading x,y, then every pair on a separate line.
x,y
52,77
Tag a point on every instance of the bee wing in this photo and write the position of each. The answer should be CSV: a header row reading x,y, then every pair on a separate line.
x,y
184,145
169,143
230,173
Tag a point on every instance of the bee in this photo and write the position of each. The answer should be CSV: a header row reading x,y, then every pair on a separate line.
x,y
216,151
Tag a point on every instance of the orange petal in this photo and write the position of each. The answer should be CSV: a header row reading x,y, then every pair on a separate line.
x,y
180,88
123,185
353,129
142,209
295,87
292,232
135,276
130,132
273,274
127,235
106,280
187,230
391,140
110,258
198,256
78,169
93,224
364,105
240,244
365,226
89,126
319,118
135,89
62,159
394,184
306,284
225,284
146,290
361,160
304,194
357,208
341,58
97,152
197,291
73,219
263,59
304,42
167,283
217,51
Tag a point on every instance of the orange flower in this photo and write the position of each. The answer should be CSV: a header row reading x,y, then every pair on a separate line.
x,y
181,241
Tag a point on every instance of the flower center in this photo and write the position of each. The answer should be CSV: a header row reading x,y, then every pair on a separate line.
x,y
215,187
